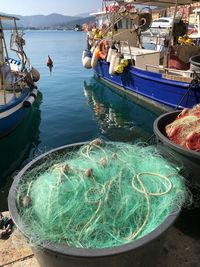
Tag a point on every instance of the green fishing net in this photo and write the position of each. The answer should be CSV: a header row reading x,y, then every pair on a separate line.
x,y
100,195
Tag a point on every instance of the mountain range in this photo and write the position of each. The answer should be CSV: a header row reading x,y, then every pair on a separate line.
x,y
52,20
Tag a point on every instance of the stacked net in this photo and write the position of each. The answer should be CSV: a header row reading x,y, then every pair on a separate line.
x,y
99,196
185,130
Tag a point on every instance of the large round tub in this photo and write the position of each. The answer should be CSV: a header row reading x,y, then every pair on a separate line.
x,y
143,252
190,159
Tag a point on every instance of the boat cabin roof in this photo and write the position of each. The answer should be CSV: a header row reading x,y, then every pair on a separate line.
x,y
161,3
197,10
99,13
4,17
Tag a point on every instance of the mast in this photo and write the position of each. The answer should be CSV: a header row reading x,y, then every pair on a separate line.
x,y
2,62
20,45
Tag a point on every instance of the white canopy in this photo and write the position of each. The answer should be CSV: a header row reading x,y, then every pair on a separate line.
x,y
162,3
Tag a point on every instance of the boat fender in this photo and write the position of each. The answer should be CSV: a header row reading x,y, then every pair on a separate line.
x,y
95,57
86,59
87,62
120,68
115,60
92,49
84,54
34,93
103,49
124,62
111,52
27,103
35,74
29,80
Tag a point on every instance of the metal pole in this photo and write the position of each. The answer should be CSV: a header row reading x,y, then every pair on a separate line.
x,y
2,62
171,34
7,56
132,62
21,51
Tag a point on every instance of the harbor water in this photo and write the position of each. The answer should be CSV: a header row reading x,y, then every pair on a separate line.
x,y
72,106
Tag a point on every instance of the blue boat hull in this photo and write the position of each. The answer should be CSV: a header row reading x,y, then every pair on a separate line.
x,y
152,86
12,114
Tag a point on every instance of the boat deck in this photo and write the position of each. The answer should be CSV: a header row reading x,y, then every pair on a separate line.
x,y
181,248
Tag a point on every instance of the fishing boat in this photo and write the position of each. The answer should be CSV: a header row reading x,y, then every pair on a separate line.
x,y
167,76
18,78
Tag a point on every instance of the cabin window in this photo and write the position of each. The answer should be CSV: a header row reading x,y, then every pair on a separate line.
x,y
161,20
125,24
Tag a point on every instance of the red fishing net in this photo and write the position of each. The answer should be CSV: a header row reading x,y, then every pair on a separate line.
x,y
185,130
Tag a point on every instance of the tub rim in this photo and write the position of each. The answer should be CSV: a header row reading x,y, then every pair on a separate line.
x,y
63,249
162,137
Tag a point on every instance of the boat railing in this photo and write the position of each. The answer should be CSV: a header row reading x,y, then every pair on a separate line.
x,y
169,73
153,66
175,74
120,45
167,70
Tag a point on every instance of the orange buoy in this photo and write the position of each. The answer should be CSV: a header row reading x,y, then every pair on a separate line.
x,y
49,63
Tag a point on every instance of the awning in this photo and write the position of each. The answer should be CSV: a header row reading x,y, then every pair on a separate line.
x,y
162,3
4,17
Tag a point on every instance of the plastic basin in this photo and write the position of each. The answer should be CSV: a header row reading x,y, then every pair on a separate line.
x,y
143,252
195,63
189,159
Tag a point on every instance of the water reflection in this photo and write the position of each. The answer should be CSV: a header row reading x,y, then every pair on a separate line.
x,y
17,147
119,118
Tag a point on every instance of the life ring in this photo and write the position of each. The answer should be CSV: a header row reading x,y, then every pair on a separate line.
x,y
103,49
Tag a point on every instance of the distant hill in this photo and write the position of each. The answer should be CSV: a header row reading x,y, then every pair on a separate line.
x,y
83,15
53,20
79,21
42,21
39,21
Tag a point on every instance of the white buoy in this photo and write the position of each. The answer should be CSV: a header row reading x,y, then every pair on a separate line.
x,y
35,74
28,102
111,52
87,62
84,54
95,58
34,93
115,60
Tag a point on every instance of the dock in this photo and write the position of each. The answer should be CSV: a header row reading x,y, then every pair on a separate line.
x,y
181,248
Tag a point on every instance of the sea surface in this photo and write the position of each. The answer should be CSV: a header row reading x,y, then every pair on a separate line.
x,y
72,106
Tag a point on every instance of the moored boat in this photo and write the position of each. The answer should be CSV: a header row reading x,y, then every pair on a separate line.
x,y
18,79
165,77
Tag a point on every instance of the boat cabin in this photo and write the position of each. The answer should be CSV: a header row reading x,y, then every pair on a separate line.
x,y
123,24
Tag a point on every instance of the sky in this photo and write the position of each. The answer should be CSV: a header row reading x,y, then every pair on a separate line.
x,y
46,7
